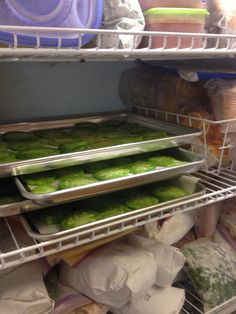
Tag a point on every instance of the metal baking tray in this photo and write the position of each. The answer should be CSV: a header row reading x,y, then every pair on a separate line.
x,y
179,135
192,163
15,208
188,182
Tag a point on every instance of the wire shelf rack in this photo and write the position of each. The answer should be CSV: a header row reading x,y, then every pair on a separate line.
x,y
209,45
219,186
220,153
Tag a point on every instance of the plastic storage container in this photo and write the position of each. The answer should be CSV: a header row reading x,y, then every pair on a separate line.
x,y
182,20
147,4
53,13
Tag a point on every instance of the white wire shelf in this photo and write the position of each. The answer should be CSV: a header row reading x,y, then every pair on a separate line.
x,y
212,45
194,305
219,186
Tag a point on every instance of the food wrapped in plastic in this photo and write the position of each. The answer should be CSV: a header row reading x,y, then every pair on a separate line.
x,y
121,15
22,291
228,216
223,100
169,260
156,301
211,267
206,219
112,275
172,229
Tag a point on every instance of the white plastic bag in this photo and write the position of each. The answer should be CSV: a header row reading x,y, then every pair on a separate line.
x,y
169,260
22,291
122,15
156,301
113,275
172,230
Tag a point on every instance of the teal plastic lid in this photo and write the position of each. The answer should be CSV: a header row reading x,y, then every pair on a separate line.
x,y
175,11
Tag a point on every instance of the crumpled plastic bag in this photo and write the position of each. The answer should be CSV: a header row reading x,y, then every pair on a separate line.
x,y
156,301
23,291
211,267
121,15
169,260
113,275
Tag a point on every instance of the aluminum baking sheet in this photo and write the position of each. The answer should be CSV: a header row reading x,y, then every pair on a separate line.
x,y
192,163
189,183
17,207
179,135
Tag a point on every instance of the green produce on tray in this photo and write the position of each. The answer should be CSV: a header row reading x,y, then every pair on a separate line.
x,y
151,135
71,182
74,146
44,189
28,145
123,161
116,208
39,179
78,218
116,135
164,161
110,124
100,143
168,192
74,171
94,166
50,134
19,136
141,166
53,215
3,146
37,153
7,156
141,200
131,138
111,173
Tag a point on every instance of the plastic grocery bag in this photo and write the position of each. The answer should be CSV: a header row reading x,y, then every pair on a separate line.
x,y
223,99
23,291
169,260
211,267
172,229
68,300
112,275
122,15
156,301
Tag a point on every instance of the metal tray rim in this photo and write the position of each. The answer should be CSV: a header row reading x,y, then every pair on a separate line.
x,y
42,237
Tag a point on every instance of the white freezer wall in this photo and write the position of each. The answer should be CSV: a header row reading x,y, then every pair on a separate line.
x,y
44,90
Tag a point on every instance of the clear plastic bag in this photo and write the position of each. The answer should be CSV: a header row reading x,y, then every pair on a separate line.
x,y
122,15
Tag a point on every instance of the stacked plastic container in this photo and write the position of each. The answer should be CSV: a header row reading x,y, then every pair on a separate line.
x,y
184,16
54,13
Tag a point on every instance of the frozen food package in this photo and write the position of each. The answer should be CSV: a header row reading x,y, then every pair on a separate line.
x,y
68,300
112,275
169,260
172,229
216,23
121,15
23,291
206,219
156,301
223,236
223,99
139,86
228,216
211,267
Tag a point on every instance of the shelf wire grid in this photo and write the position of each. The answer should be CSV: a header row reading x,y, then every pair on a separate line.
x,y
219,186
224,148
210,44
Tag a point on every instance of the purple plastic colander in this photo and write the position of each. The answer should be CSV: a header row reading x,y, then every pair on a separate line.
x,y
53,13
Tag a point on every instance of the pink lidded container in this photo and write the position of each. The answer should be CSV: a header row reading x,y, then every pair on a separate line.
x,y
147,4
183,20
